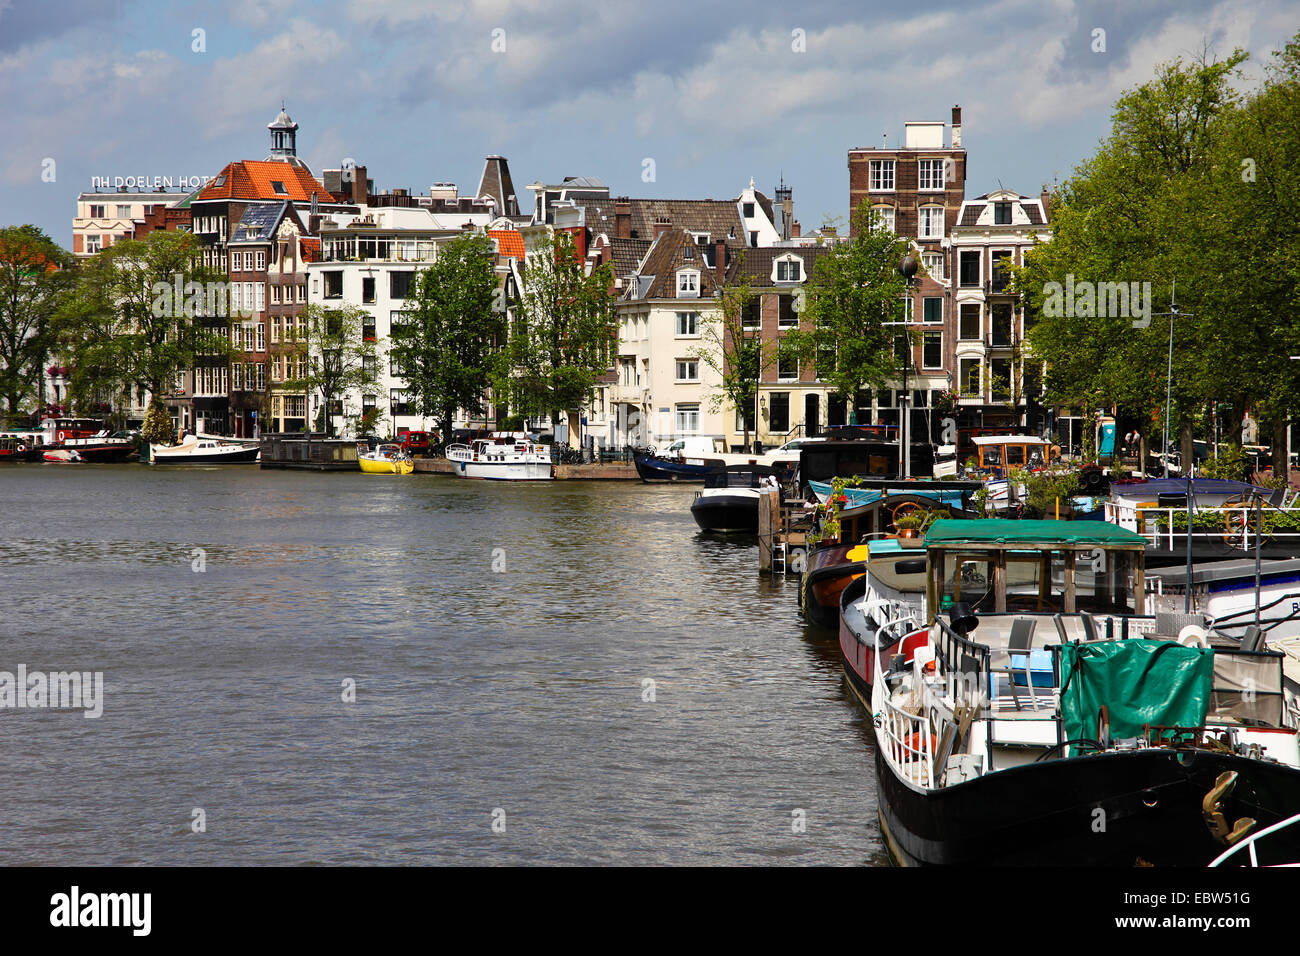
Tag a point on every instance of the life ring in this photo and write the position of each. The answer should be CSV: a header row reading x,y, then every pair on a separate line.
x,y
63,436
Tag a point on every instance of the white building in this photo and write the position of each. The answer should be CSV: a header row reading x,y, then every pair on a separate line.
x,y
370,261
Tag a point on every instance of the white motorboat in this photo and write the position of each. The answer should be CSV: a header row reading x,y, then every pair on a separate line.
x,y
205,450
506,456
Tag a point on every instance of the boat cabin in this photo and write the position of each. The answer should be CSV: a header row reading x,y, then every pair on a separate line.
x,y
1000,454
998,565
743,476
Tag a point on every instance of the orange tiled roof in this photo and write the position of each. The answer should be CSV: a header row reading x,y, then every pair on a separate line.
x,y
310,250
510,243
251,179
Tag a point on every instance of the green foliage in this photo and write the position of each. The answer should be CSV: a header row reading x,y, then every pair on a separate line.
x,y
1229,462
1044,489
563,335
1200,184
157,426
850,296
34,277
451,332
126,327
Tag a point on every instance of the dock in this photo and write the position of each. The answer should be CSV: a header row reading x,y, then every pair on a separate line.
x,y
782,541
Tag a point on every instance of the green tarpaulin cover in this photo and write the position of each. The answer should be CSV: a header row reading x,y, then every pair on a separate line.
x,y
1002,530
1139,681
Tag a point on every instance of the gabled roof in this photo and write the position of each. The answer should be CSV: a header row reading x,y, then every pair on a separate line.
x,y
256,179
756,264
720,218
626,254
672,251
496,182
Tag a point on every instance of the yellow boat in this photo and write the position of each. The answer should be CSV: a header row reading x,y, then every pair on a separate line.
x,y
386,460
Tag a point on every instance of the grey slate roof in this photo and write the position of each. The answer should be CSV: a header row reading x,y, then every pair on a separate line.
x,y
259,222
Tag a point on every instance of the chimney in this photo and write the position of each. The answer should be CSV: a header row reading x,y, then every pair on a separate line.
x,y
623,218
956,127
359,184
720,260
662,224
794,230
1046,198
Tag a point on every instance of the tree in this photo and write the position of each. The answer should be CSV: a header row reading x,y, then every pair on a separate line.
x,y
853,291
451,329
563,334
340,359
734,349
142,311
1137,212
34,276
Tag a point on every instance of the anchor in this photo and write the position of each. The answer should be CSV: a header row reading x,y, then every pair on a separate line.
x,y
1212,812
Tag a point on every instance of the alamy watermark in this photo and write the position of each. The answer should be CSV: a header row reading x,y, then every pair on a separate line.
x,y
56,690
190,299
1086,299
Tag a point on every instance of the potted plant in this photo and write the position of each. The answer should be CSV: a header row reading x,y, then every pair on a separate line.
x,y
910,528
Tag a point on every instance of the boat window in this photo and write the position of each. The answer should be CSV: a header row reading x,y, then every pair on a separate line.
x,y
1015,454
991,455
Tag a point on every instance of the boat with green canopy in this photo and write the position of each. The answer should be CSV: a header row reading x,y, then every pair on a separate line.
x,y
1036,715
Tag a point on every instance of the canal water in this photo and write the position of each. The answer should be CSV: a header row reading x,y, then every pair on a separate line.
x,y
349,669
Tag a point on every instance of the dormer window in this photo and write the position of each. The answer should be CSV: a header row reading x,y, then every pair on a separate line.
x,y
688,283
788,269
278,187
749,210
1002,214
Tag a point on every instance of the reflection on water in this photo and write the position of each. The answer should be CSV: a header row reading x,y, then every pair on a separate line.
x,y
578,656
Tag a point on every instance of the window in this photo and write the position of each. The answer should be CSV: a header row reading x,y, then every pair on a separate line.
x,y
259,293
236,297
789,270
238,382
931,222
688,417
124,211
278,187
688,323
968,377
97,212
882,176
688,370
261,337
933,306
333,285
399,284
779,411
1000,379
92,243
748,210
930,175
745,420
883,218
1000,279
397,402
932,350
367,404
753,239
907,308
786,317
751,317
1001,321
970,268
688,283
787,365
369,367
1002,214
261,260
933,262
368,328
261,376
368,289
275,295
969,326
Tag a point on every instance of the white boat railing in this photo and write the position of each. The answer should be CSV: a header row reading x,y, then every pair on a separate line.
x,y
1238,523
908,744
1250,841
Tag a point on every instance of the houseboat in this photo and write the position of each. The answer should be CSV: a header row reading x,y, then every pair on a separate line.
x,y
205,450
308,451
1043,717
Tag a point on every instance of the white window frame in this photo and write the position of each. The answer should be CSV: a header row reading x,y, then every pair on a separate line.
x,y
686,418
935,176
692,368
886,217
929,259
881,175
688,283
693,318
782,376
926,227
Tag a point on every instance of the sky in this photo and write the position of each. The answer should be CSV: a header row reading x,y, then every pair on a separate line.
x,y
712,93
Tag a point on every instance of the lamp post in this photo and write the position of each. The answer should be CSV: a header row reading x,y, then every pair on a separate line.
x,y
1173,313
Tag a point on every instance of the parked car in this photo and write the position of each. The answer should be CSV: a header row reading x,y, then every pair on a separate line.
x,y
416,443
